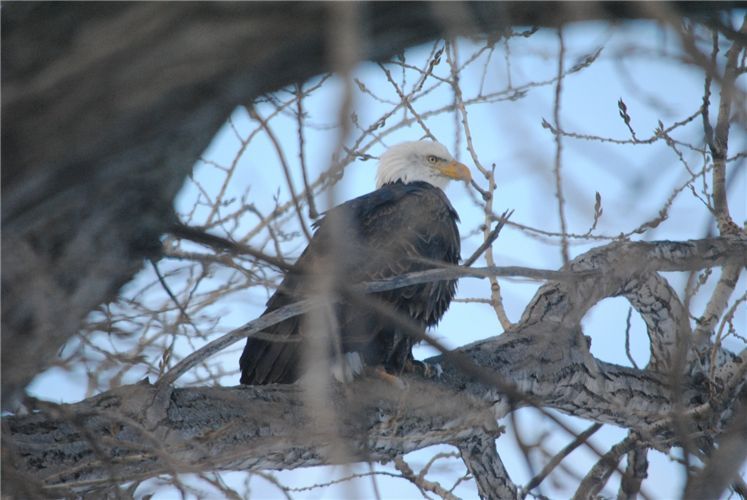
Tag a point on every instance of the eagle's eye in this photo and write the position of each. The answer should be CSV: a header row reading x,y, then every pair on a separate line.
x,y
432,158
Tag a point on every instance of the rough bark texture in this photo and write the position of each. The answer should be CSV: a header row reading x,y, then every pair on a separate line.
x,y
142,430
726,461
107,106
485,465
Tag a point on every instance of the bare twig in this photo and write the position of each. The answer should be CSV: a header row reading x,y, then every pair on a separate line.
x,y
597,477
286,168
170,293
560,456
627,339
420,481
406,101
719,144
489,239
198,235
313,214
559,151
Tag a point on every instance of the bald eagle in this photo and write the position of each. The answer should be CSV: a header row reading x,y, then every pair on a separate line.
x,y
403,226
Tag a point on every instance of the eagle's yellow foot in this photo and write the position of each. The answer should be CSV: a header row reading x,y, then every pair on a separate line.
x,y
380,373
423,369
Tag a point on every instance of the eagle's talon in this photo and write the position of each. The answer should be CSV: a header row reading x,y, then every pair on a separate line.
x,y
381,373
426,370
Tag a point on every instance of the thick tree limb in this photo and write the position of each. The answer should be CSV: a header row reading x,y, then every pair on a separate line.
x,y
628,261
232,428
485,465
143,430
267,427
137,435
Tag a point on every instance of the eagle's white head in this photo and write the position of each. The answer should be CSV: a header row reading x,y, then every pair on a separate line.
x,y
426,161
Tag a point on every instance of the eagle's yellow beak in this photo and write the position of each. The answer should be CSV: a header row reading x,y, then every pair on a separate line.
x,y
456,170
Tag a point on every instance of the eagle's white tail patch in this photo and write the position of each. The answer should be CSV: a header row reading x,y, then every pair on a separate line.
x,y
346,368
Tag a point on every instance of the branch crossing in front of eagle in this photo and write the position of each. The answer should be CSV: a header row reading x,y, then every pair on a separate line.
x,y
406,225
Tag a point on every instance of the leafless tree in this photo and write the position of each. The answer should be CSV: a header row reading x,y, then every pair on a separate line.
x,y
82,212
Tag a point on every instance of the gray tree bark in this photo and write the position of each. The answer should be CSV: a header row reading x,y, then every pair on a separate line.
x,y
138,431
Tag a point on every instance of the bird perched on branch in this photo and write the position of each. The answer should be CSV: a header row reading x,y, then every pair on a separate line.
x,y
406,225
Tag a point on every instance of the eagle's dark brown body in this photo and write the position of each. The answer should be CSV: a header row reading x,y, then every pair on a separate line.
x,y
392,231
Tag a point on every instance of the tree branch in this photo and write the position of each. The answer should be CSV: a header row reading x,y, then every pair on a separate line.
x,y
597,477
485,465
143,430
635,473
720,139
560,456
723,466
667,255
